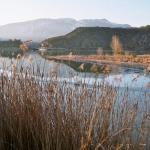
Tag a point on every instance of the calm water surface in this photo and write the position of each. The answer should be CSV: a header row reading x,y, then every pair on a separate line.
x,y
68,68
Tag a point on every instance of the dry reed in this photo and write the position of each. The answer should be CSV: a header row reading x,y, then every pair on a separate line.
x,y
48,115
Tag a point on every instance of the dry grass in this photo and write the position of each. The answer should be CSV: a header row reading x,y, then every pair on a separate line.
x,y
128,59
48,115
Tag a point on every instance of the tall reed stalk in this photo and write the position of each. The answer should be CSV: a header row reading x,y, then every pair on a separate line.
x,y
48,115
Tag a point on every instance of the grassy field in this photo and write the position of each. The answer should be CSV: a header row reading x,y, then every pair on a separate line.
x,y
42,114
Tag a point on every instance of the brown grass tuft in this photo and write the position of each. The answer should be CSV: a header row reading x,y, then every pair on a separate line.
x,y
43,114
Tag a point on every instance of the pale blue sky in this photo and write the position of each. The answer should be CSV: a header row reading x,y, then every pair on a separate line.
x,y
133,12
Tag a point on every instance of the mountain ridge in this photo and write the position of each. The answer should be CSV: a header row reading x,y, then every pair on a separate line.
x,y
40,29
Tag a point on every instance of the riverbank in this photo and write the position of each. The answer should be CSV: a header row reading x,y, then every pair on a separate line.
x,y
44,114
44,111
139,60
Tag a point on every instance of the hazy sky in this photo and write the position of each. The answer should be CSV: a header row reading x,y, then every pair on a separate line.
x,y
133,12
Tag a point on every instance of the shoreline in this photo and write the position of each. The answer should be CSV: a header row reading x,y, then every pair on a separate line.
x,y
79,58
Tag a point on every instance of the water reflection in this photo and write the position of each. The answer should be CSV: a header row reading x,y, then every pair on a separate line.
x,y
66,67
115,68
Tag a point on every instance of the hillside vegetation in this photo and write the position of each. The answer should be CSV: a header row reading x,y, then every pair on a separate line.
x,y
10,43
94,37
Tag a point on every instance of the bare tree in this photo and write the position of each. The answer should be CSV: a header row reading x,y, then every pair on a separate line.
x,y
116,45
100,51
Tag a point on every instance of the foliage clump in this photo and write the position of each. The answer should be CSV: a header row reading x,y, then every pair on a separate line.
x,y
145,27
11,43
116,45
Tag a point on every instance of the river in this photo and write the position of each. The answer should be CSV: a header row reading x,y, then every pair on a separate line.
x,y
132,76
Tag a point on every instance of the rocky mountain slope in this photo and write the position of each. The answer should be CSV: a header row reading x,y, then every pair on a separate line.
x,y
93,37
41,29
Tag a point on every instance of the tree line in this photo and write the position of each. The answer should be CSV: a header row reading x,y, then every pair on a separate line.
x,y
11,43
